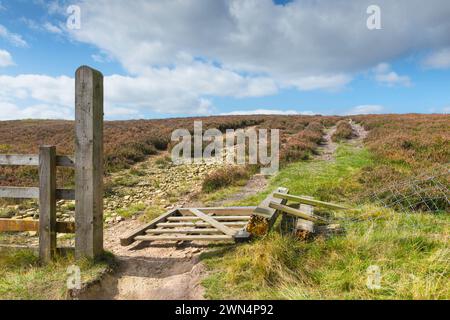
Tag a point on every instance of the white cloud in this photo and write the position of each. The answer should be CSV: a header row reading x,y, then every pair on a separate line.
x,y
5,59
300,39
446,110
267,112
52,28
10,111
438,60
384,75
257,47
331,82
179,90
14,39
365,109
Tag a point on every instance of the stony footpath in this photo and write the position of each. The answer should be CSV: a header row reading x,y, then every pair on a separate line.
x,y
155,184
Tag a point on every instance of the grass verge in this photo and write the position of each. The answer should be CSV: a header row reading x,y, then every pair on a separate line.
x,y
411,250
23,278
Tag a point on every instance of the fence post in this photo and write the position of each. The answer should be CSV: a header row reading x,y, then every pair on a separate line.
x,y
47,203
88,163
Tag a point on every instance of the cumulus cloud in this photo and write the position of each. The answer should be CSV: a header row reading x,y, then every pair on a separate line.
x,y
331,82
267,112
438,60
365,109
10,111
181,53
5,59
384,75
52,28
14,39
302,38
179,90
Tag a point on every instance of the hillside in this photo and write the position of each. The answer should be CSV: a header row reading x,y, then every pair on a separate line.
x,y
330,158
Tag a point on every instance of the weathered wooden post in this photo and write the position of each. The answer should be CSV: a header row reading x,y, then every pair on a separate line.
x,y
47,203
88,163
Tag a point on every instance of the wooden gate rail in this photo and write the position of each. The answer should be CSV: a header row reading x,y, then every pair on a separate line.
x,y
88,165
13,225
33,160
47,194
194,224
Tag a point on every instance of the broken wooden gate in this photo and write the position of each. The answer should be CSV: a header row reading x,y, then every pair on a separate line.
x,y
208,224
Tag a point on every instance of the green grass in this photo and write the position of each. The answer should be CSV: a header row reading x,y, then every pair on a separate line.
x,y
221,194
23,278
325,180
132,210
411,250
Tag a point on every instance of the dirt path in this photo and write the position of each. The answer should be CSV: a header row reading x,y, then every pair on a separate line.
x,y
170,271
165,270
328,148
327,151
160,271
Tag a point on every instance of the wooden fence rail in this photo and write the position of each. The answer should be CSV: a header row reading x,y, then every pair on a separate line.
x,y
88,165
46,193
33,160
33,193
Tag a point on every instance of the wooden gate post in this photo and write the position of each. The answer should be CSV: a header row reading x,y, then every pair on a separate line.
x,y
47,203
88,163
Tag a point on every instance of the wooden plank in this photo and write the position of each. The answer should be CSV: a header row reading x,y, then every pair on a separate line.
x,y
129,238
264,209
88,163
47,203
198,224
14,225
33,160
213,222
19,160
65,161
33,193
218,218
297,213
19,193
65,194
305,225
309,201
220,211
183,231
185,238
65,227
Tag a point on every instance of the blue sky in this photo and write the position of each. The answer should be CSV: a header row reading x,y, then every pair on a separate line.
x,y
166,58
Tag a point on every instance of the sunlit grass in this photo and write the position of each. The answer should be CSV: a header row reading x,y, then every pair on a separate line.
x,y
23,277
411,249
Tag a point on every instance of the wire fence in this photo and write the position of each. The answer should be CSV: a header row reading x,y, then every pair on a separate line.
x,y
428,191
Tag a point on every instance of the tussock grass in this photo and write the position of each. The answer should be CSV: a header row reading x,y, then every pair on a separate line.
x,y
23,278
344,131
225,177
132,210
411,249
